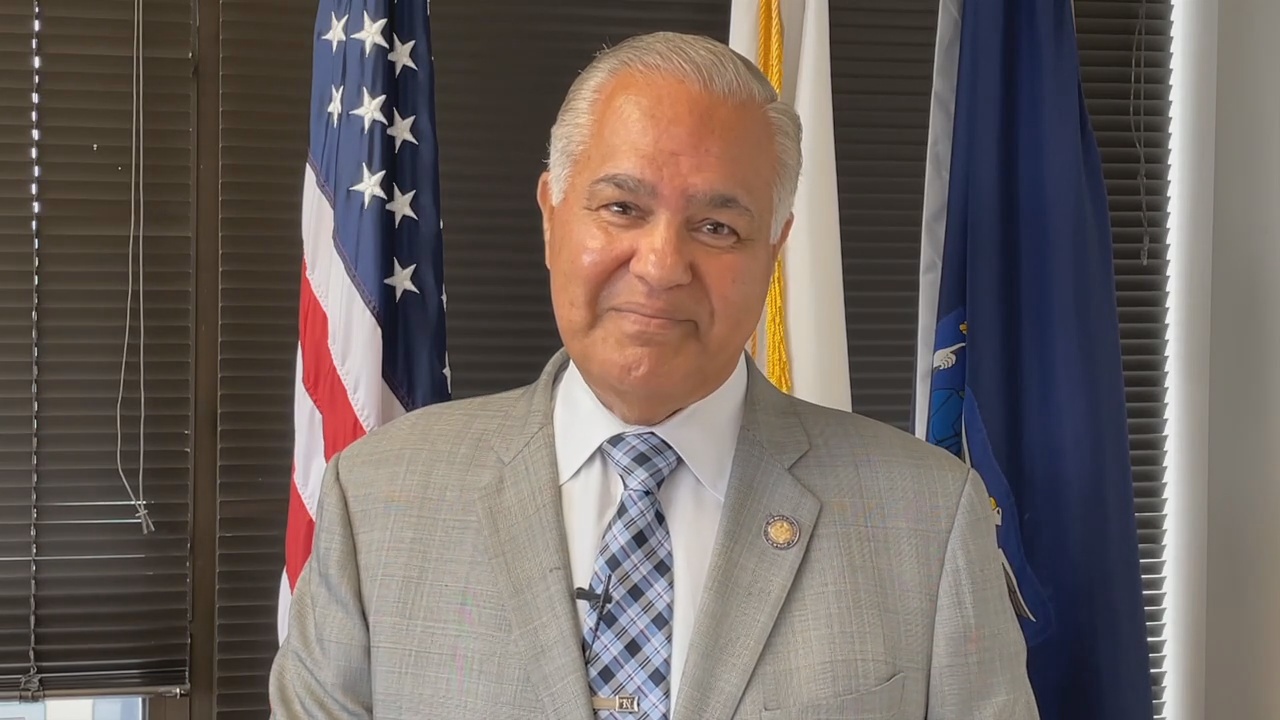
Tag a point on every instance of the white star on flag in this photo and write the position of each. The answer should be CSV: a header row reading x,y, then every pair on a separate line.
x,y
400,203
335,105
401,279
371,34
400,54
335,34
370,109
448,374
371,185
400,129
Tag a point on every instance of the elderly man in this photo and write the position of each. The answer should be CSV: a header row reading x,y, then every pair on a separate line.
x,y
652,530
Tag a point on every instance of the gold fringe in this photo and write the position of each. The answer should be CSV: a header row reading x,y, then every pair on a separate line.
x,y
769,44
769,59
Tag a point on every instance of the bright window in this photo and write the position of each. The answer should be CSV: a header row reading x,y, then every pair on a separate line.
x,y
74,709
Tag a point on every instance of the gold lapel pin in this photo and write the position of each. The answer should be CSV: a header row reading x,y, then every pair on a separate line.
x,y
781,531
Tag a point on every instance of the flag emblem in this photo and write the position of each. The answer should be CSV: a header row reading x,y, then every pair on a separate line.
x,y
955,424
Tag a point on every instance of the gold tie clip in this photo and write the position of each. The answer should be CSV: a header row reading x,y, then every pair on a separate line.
x,y
621,703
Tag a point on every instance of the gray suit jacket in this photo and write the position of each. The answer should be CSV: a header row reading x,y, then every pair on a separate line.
x,y
439,586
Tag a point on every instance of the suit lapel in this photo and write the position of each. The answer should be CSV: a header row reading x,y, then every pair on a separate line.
x,y
749,578
521,517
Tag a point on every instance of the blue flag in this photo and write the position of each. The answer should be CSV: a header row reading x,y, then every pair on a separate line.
x,y
1020,368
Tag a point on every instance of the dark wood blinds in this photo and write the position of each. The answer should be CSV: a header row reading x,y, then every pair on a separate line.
x,y
264,96
88,601
881,79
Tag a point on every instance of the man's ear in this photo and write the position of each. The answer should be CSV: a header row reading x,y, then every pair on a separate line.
x,y
548,211
782,236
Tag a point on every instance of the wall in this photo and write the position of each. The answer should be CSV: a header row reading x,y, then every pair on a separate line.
x,y
1243,594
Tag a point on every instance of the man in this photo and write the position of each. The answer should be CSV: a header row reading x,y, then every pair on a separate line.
x,y
652,530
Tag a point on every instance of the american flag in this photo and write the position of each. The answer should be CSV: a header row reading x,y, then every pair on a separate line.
x,y
371,319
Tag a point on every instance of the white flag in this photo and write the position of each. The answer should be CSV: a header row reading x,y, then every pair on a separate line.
x,y
813,274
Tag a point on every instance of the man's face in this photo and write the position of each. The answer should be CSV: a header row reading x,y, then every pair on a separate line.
x,y
660,254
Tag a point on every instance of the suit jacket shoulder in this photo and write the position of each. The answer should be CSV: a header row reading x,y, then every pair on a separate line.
x,y
910,481
439,426
429,441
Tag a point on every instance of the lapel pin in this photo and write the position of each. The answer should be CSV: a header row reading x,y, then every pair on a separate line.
x,y
781,531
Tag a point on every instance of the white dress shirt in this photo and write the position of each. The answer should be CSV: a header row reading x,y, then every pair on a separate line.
x,y
704,434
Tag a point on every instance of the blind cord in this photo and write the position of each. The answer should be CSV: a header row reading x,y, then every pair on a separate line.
x,y
1138,118
30,685
136,221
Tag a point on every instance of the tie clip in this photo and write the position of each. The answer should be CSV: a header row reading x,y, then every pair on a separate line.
x,y
622,703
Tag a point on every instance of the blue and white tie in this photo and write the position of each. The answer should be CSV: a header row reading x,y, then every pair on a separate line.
x,y
627,638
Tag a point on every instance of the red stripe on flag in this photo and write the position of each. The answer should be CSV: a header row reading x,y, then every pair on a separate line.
x,y
322,383
320,376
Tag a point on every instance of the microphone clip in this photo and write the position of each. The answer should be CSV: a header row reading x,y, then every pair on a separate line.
x,y
596,600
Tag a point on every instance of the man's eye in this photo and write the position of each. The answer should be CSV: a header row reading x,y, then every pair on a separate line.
x,y
621,208
719,229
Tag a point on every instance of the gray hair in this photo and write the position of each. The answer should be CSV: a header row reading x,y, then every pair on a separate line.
x,y
703,63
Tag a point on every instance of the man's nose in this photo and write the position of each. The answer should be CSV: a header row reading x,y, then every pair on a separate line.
x,y
662,255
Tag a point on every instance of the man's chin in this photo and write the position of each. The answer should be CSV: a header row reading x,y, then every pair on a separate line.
x,y
635,359
643,366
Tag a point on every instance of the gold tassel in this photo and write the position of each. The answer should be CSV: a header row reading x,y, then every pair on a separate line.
x,y
769,59
769,43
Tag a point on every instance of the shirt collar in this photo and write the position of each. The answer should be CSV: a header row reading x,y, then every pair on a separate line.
x,y
705,434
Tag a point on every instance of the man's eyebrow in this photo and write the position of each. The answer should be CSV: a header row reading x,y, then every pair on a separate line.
x,y
623,182
722,201
632,185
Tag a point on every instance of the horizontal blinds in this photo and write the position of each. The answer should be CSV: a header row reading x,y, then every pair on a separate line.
x,y
265,62
17,302
881,80
499,85
111,604
1125,52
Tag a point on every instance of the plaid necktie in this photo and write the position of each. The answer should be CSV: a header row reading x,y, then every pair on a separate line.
x,y
627,638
